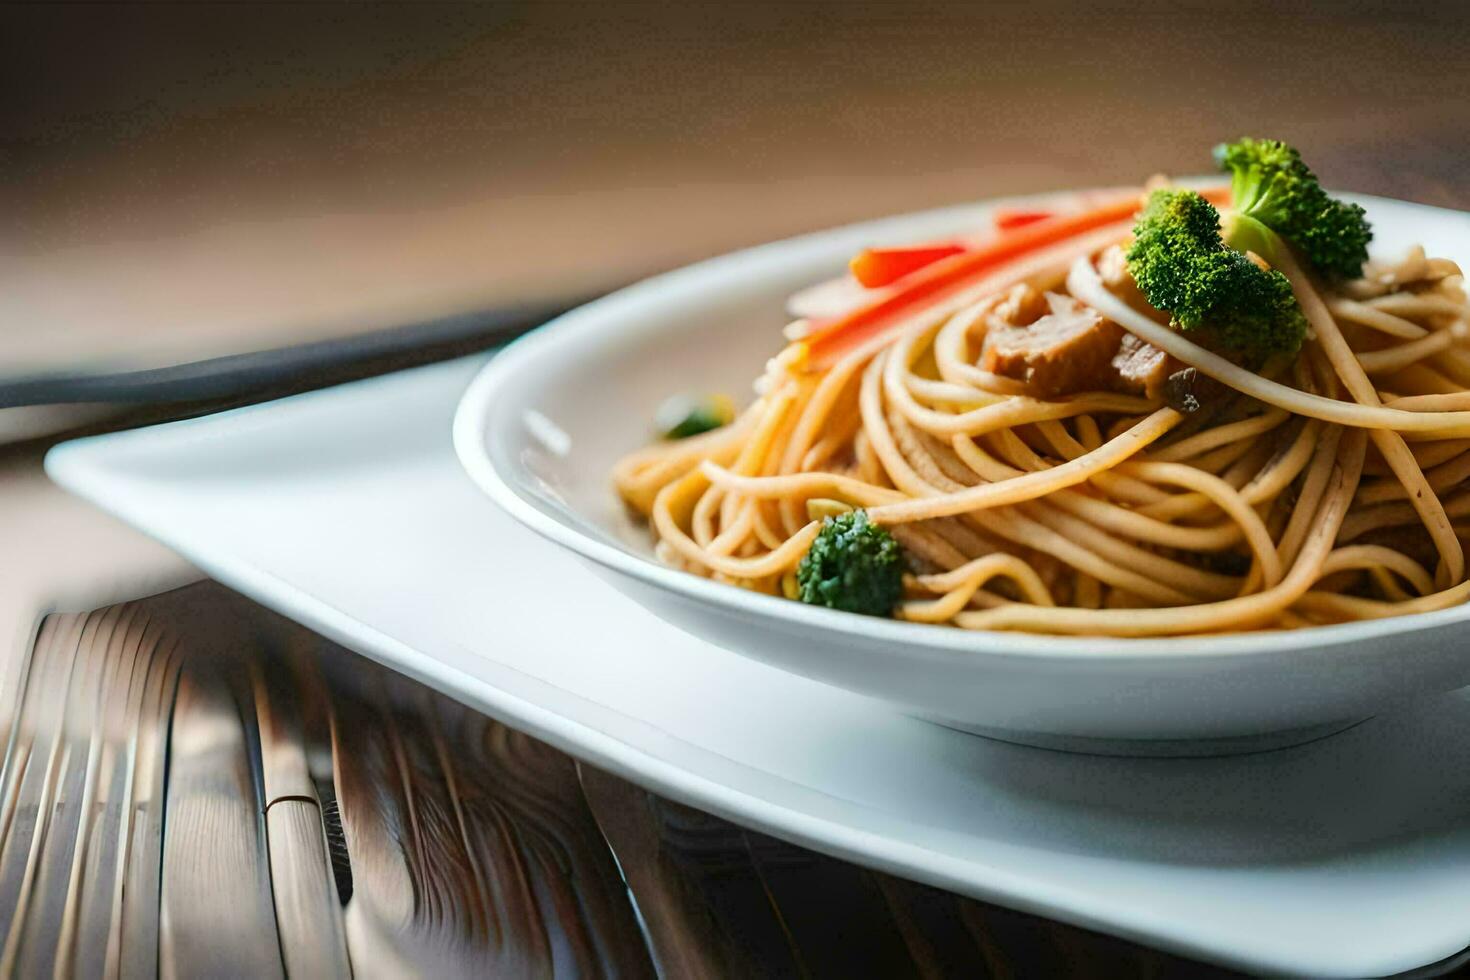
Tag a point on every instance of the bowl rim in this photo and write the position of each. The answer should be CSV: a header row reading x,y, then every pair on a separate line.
x,y
477,417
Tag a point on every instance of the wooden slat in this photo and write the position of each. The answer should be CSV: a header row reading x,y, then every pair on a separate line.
x,y
135,937
93,947
216,917
308,916
24,847
14,827
307,909
15,669
69,823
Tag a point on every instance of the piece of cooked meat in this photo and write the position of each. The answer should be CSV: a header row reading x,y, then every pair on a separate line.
x,y
1022,305
1141,368
1186,390
1069,349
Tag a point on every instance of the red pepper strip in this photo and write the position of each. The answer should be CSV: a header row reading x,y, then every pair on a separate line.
x,y
830,339
1009,219
875,267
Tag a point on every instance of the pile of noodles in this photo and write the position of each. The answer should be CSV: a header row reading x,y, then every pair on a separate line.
x,y
1328,490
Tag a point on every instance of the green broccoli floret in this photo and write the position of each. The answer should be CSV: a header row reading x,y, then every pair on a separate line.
x,y
1182,265
853,565
683,416
1270,184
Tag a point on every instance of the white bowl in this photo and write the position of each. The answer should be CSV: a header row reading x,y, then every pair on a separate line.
x,y
541,426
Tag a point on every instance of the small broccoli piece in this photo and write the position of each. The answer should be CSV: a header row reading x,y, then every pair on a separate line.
x,y
1184,267
1270,184
853,565
683,416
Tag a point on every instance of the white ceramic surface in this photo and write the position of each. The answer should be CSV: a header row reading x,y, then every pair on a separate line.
x,y
541,427
346,510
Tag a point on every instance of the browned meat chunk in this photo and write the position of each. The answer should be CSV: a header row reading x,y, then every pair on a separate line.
x,y
1022,305
1141,368
1186,390
1069,349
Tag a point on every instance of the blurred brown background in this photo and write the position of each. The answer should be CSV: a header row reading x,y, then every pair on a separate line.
x,y
185,180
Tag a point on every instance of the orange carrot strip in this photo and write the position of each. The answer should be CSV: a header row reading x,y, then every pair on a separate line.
x,y
1009,219
875,267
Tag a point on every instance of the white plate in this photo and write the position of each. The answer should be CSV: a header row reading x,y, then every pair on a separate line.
x,y
541,428
346,509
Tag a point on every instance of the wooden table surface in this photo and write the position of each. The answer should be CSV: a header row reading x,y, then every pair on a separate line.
x,y
192,785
